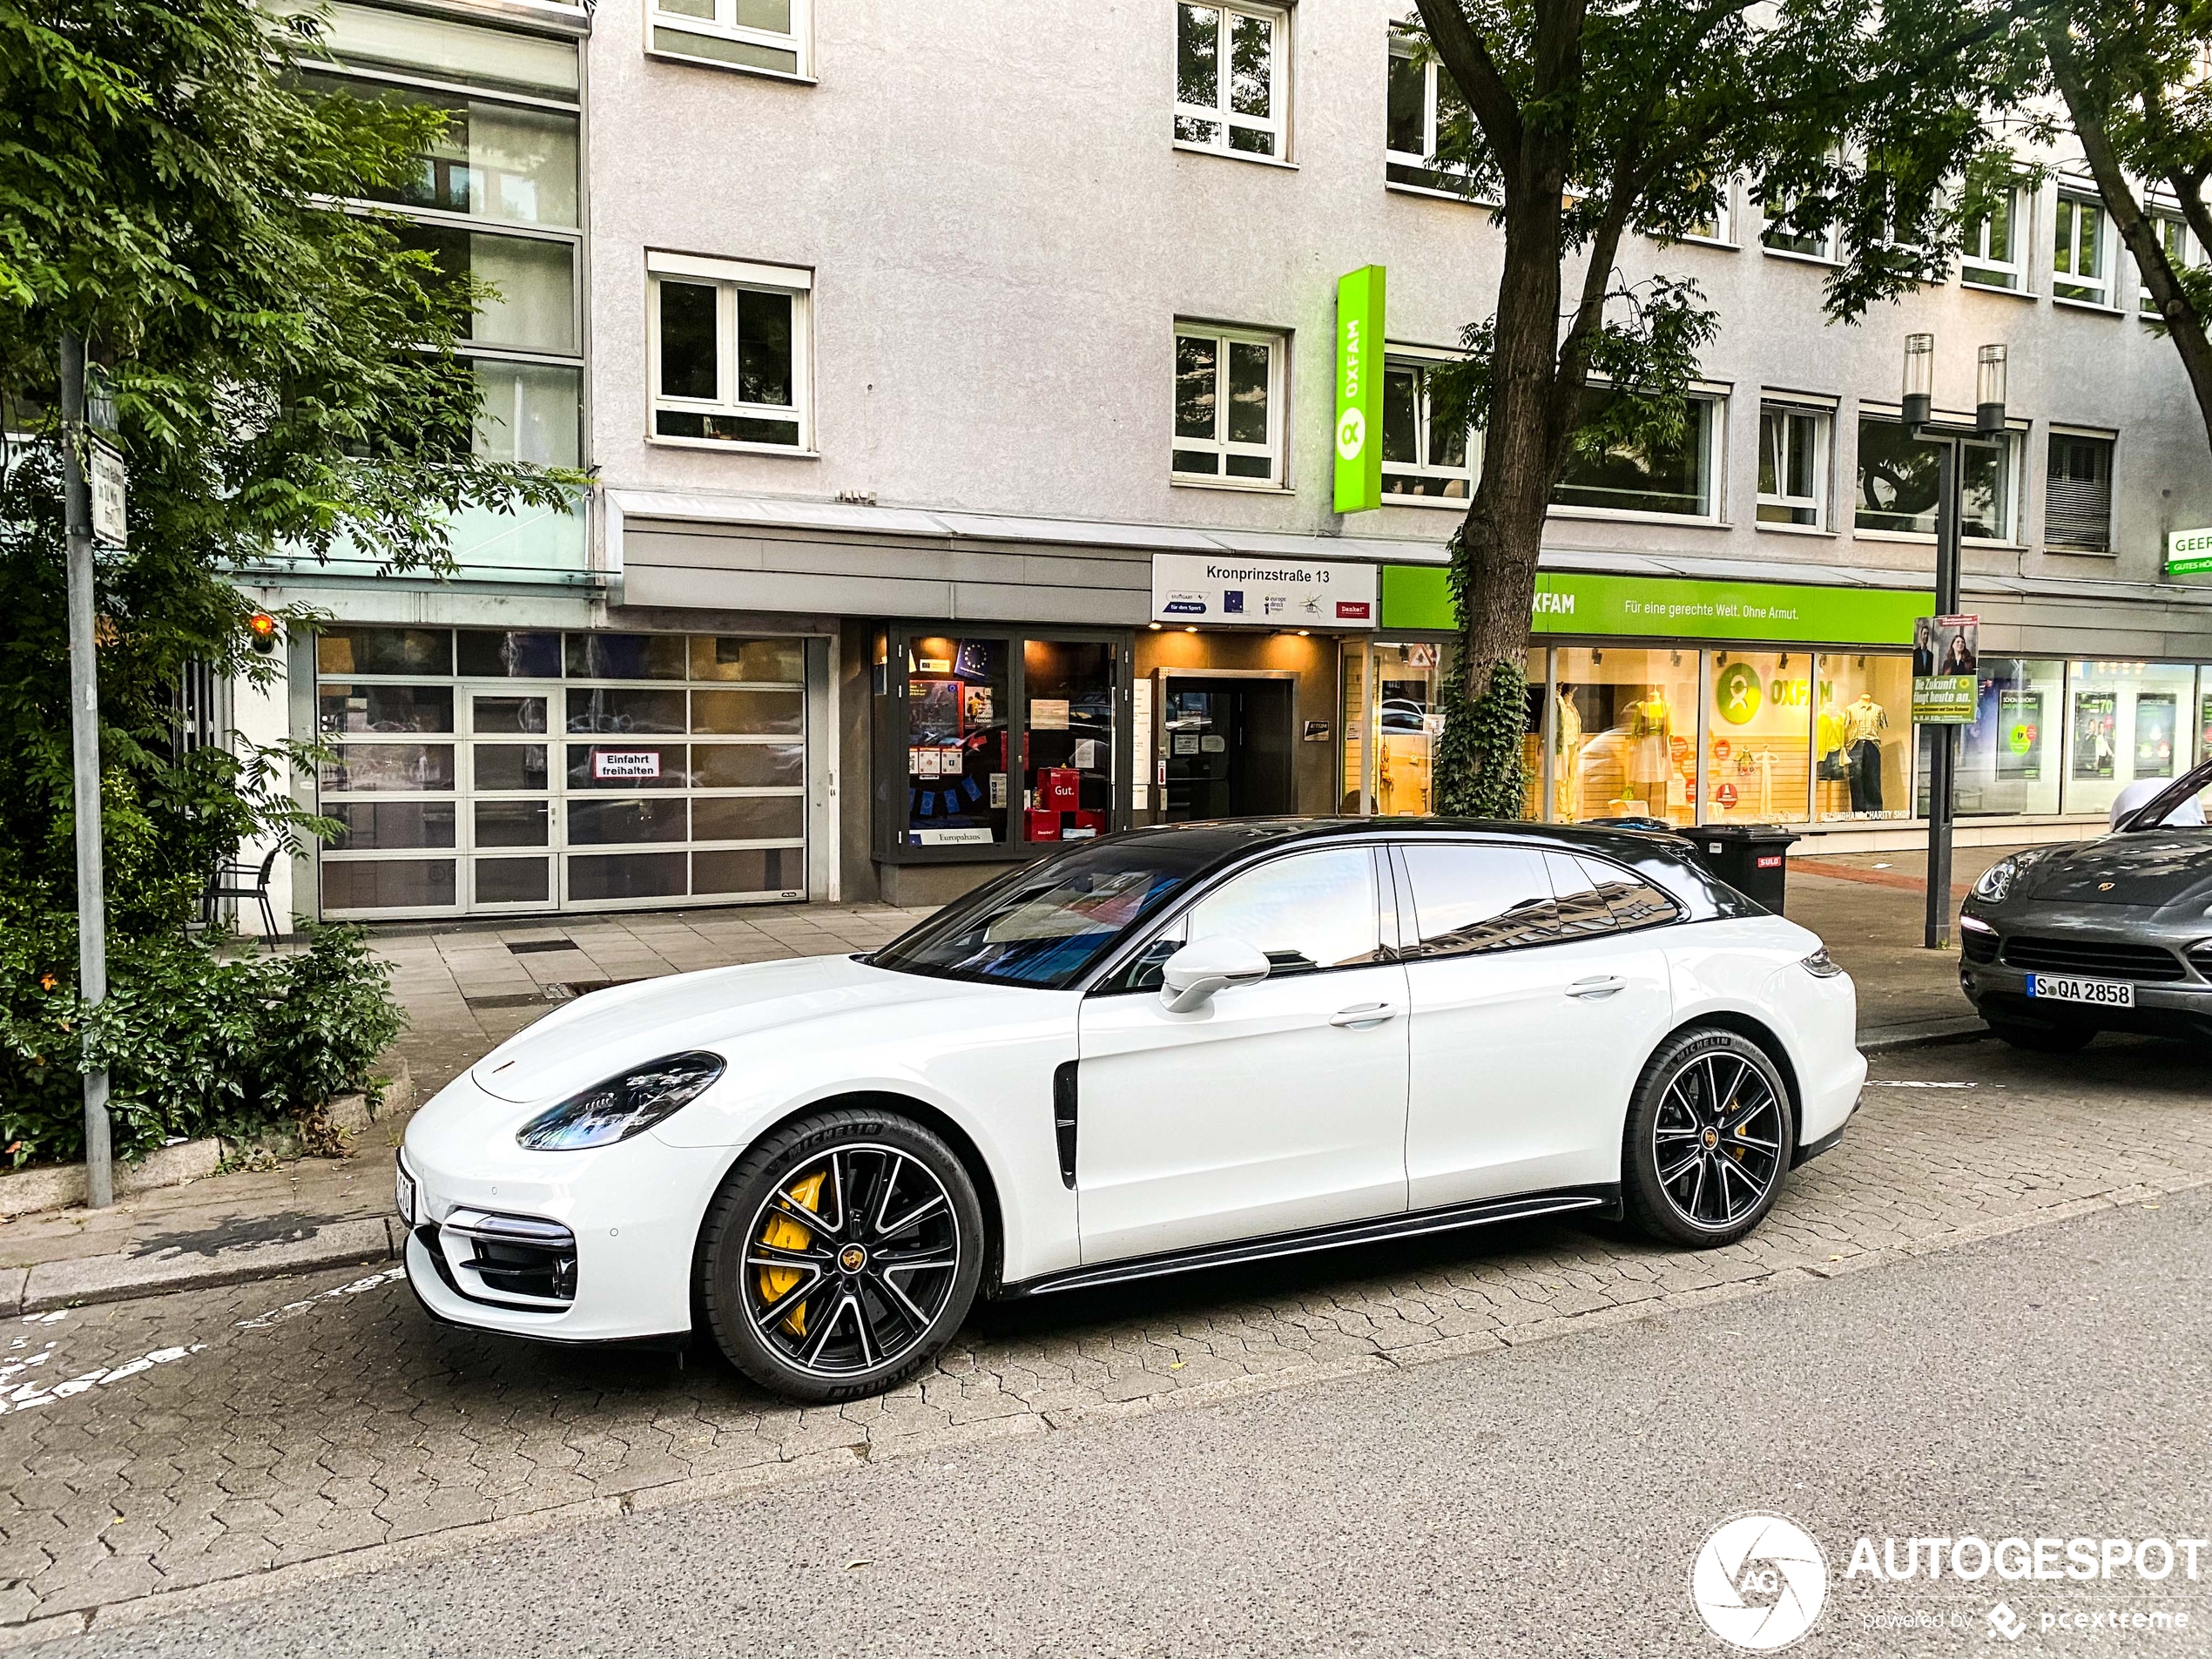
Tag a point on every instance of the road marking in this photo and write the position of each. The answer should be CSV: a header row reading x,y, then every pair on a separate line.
x,y
293,1310
1894,1082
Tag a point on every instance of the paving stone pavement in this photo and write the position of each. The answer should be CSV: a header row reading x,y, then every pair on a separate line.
x,y
203,1439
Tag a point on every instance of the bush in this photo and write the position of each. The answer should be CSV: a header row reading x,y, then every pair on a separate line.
x,y
195,1045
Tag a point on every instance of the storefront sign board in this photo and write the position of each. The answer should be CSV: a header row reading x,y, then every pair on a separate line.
x,y
1418,595
2187,550
1230,591
1359,388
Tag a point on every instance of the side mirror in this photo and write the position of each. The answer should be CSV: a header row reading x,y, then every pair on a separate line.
x,y
1190,979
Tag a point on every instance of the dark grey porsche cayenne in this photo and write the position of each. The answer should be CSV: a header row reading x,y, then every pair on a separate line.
x,y
2059,943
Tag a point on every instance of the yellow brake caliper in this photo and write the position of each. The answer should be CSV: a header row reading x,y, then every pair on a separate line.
x,y
783,1233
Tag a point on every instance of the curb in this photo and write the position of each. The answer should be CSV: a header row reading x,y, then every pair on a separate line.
x,y
126,1276
1927,1034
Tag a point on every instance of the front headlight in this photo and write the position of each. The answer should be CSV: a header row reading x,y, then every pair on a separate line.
x,y
1997,880
621,1107
1821,965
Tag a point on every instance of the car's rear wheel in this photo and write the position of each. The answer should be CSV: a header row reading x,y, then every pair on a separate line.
x,y
1709,1134
2044,1039
840,1256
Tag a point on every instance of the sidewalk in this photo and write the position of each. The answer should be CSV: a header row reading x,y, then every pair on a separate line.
x,y
467,986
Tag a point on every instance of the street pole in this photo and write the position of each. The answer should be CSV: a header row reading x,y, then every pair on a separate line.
x,y
84,733
1943,746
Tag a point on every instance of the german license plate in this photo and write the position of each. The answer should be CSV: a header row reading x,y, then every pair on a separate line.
x,y
2099,992
403,1195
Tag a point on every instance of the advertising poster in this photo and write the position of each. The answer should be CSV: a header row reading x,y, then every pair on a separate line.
x,y
2096,723
2157,720
2019,734
1946,653
2204,726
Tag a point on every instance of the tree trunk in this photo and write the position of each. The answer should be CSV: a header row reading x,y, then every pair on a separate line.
x,y
2136,229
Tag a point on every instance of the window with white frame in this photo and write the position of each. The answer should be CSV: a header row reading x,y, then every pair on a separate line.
x,y
1228,406
2079,251
1785,232
1231,75
1424,459
1793,464
1900,476
1719,225
1991,245
728,344
2181,253
2077,493
1669,475
742,34
1422,103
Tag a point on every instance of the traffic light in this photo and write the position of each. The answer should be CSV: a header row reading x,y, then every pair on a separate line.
x,y
264,630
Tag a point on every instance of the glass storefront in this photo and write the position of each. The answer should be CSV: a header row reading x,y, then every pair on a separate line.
x,y
1624,734
474,770
2125,721
1758,753
1393,711
997,739
1862,737
2008,758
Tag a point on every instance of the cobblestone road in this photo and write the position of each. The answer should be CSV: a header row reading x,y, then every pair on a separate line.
x,y
148,1448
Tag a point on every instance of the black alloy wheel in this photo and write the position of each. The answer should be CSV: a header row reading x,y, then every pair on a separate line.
x,y
840,1256
1710,1135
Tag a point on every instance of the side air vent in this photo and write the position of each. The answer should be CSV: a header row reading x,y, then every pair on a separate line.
x,y
1064,1120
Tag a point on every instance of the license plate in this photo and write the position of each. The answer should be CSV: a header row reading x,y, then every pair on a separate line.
x,y
403,1196
2100,993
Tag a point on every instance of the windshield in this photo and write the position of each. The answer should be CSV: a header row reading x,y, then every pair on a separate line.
x,y
2180,804
1049,923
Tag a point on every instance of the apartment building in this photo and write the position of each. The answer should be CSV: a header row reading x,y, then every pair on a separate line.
x,y
960,402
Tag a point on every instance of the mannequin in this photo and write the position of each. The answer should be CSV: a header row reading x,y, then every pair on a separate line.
x,y
1567,781
1864,723
1764,761
1650,752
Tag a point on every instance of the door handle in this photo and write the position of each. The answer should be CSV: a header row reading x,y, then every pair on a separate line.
x,y
1597,985
1361,1016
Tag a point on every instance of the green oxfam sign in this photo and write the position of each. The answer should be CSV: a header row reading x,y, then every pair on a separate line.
x,y
1417,596
1360,388
1736,693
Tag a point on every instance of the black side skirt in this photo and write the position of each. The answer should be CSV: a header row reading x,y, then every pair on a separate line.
x,y
1602,1203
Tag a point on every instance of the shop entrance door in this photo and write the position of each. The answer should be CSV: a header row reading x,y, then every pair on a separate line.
x,y
1228,746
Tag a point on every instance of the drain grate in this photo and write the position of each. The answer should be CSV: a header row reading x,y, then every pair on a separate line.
x,y
537,947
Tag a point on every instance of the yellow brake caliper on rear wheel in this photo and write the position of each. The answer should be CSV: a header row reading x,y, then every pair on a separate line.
x,y
783,1233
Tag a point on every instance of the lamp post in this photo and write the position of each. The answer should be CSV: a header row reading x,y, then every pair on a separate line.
x,y
1920,421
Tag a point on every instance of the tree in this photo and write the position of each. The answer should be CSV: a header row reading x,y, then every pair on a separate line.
x,y
1586,119
2130,76
283,372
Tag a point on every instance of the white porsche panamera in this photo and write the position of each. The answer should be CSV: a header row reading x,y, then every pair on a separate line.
x,y
1177,1047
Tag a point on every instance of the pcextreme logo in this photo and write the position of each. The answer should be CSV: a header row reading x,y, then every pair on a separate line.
x,y
1758,1582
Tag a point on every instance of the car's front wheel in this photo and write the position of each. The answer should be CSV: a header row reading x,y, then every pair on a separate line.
x,y
842,1254
1710,1135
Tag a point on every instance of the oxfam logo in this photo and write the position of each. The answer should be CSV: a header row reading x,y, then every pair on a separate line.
x,y
1736,693
1758,1582
1351,435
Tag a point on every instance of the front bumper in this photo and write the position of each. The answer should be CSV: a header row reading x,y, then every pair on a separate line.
x,y
591,1247
2173,1008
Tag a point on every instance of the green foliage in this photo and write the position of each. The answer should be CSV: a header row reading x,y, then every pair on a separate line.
x,y
282,371
196,1044
1480,758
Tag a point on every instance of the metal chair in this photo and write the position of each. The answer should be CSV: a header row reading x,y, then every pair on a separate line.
x,y
243,882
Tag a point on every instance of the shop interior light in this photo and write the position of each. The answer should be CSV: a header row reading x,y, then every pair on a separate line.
x,y
1189,627
1305,633
1156,627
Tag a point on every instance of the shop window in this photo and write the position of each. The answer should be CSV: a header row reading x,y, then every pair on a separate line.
x,y
1670,476
1624,734
959,792
626,657
2080,251
1068,753
2008,758
1898,483
2077,494
1862,729
1228,406
1424,107
1989,256
729,351
2125,721
1793,465
1393,714
384,650
1231,80
1424,458
735,34
384,825
1758,760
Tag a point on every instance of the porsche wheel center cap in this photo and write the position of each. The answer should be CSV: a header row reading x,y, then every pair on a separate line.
x,y
851,1258
1712,1137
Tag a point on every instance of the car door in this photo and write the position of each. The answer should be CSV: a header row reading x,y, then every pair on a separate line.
x,y
1533,1011
1277,1106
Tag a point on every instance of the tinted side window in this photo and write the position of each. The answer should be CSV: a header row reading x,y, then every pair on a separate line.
x,y
1584,908
1306,911
1633,903
1469,899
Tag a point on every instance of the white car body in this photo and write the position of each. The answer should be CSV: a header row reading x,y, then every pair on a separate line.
x,y
1271,1109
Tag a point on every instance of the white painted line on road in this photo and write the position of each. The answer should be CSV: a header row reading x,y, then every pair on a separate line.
x,y
1897,1082
293,1310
